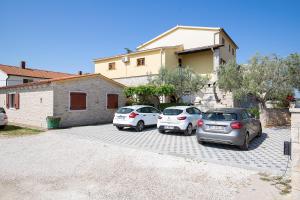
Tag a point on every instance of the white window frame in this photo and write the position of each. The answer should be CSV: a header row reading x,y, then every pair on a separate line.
x,y
12,108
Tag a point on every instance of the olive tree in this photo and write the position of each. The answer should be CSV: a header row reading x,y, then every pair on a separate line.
x,y
183,79
264,77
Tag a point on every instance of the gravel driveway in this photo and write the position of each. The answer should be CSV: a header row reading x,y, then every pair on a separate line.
x,y
65,166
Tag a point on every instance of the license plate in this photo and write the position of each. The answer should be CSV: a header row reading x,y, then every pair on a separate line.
x,y
217,127
121,117
169,127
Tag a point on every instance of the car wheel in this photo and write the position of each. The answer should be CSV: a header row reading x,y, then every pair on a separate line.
x,y
161,131
245,146
259,134
189,130
120,128
140,126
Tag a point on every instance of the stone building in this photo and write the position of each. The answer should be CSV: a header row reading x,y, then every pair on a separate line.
x,y
77,100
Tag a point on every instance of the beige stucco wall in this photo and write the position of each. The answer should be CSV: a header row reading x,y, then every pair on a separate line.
x,y
96,111
35,105
201,62
225,54
188,37
153,61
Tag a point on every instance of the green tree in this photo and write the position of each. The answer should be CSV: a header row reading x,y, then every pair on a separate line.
x,y
293,62
145,93
183,79
264,77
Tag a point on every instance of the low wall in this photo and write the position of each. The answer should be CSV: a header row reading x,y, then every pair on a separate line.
x,y
275,117
295,137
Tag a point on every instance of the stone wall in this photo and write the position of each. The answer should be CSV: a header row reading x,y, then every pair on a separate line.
x,y
96,111
36,103
275,117
295,137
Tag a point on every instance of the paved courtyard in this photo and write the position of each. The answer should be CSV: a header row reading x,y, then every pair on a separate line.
x,y
265,154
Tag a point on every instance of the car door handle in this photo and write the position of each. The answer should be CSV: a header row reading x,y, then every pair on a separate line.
x,y
144,115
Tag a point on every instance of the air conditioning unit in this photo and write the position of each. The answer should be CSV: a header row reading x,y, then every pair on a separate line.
x,y
125,59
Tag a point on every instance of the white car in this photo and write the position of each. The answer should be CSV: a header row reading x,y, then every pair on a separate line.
x,y
179,118
137,117
3,118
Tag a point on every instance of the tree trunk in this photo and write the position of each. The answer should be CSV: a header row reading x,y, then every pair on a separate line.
x,y
263,113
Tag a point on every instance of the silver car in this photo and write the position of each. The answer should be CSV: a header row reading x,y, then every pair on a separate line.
x,y
234,126
3,118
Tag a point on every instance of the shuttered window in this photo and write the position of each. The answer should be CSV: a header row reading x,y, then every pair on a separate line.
x,y
112,101
13,100
77,101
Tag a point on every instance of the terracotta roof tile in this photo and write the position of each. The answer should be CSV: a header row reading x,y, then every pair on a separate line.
x,y
74,77
37,73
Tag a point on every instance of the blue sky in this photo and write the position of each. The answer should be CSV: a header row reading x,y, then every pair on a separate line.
x,y
65,35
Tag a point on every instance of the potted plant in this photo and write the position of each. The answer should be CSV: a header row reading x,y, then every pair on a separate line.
x,y
53,122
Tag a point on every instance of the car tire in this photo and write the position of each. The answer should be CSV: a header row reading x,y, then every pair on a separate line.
x,y
245,146
140,126
161,131
189,130
259,134
200,141
120,128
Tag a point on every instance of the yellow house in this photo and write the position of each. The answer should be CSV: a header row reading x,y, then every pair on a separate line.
x,y
202,49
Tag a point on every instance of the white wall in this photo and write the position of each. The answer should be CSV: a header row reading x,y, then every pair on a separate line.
x,y
16,80
3,77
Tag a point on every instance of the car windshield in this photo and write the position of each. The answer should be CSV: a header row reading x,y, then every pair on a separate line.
x,y
2,110
124,110
219,116
172,111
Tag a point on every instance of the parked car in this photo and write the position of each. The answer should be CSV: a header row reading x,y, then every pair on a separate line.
x,y
179,118
3,118
137,117
234,126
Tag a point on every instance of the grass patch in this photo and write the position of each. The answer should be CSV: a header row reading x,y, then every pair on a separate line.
x,y
283,184
11,130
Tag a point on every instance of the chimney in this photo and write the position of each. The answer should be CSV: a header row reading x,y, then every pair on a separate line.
x,y
23,64
79,72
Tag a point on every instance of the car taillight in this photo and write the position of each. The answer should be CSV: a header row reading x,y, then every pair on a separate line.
x,y
159,117
133,115
181,118
236,125
200,123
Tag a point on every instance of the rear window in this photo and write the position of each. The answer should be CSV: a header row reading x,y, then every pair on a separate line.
x,y
218,116
172,112
2,110
124,110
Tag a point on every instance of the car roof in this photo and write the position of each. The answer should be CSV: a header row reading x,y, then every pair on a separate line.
x,y
227,110
179,107
136,106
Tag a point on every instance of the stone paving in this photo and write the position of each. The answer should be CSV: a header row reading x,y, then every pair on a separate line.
x,y
265,154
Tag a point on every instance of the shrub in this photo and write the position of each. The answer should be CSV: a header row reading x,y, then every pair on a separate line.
x,y
162,106
254,111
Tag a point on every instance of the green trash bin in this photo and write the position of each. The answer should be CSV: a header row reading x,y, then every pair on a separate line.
x,y
53,122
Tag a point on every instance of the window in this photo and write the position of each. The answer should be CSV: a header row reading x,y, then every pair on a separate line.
x,y
77,101
154,110
219,116
222,61
232,51
13,100
140,62
190,111
229,48
179,62
112,66
245,115
197,111
27,80
112,101
223,41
